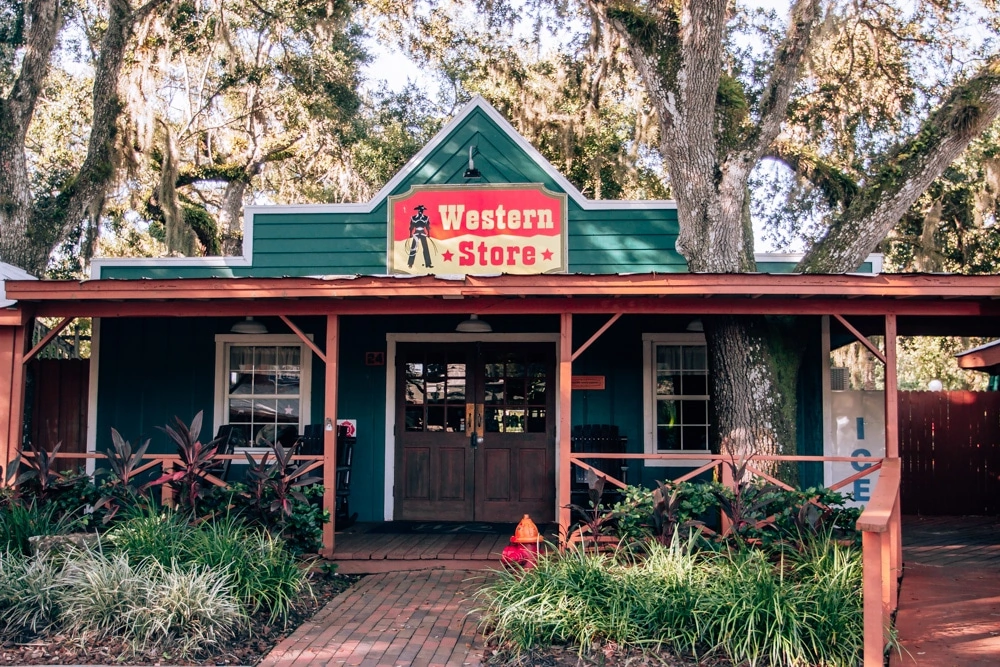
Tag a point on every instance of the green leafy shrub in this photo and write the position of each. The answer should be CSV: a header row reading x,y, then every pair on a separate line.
x,y
264,574
176,608
805,608
149,532
22,520
301,530
29,600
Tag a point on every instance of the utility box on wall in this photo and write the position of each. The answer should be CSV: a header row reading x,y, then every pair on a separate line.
x,y
856,428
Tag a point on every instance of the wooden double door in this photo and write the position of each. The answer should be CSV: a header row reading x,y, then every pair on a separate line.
x,y
475,432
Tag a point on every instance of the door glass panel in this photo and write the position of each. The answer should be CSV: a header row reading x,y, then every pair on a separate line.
x,y
456,389
536,392
535,420
435,418
435,392
513,421
414,371
414,419
456,370
494,392
515,370
515,391
456,419
493,417
494,370
415,392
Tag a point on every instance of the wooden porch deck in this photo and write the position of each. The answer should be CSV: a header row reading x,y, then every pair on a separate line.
x,y
949,603
365,549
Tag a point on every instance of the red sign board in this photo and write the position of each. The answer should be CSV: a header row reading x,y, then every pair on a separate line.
x,y
477,229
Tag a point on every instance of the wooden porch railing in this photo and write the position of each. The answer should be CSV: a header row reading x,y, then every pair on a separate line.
x,y
879,523
153,460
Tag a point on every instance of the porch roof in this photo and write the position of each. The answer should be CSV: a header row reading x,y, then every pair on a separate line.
x,y
916,295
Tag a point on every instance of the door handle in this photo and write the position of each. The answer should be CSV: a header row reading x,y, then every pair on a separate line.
x,y
474,423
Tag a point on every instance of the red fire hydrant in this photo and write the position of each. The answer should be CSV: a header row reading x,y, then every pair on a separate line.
x,y
523,548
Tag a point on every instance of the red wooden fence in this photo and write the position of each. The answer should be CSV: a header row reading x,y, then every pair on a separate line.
x,y
59,408
950,448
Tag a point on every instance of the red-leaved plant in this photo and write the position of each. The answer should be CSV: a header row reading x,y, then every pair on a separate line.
x,y
188,477
273,485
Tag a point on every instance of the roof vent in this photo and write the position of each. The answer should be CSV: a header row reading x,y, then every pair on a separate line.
x,y
840,378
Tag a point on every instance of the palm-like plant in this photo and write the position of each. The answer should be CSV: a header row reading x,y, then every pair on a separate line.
x,y
188,477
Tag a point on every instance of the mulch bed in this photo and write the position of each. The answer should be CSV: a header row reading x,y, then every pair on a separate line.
x,y
247,649
609,655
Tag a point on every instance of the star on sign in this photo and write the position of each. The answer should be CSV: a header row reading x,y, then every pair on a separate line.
x,y
547,255
288,410
447,255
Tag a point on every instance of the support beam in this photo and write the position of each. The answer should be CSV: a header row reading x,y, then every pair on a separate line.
x,y
891,390
607,325
305,339
565,424
55,331
330,431
12,350
861,338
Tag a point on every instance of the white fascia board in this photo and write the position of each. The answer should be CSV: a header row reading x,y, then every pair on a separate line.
x,y
241,261
875,259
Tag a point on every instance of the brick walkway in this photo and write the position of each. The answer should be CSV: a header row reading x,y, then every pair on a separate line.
x,y
388,620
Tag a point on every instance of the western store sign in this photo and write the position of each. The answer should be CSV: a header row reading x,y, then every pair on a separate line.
x,y
478,229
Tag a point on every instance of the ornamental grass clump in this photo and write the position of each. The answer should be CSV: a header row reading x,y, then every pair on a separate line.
x,y
264,574
793,608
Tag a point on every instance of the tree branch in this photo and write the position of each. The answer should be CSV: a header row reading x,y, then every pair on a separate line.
x,y
838,187
787,62
45,19
99,166
906,173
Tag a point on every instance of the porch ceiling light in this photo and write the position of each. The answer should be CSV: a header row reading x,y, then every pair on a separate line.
x,y
474,325
249,326
695,326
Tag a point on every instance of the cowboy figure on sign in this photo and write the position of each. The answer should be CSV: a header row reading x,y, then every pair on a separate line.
x,y
420,230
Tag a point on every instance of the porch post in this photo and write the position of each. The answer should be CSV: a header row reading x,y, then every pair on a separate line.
x,y
891,389
565,422
330,430
12,349
892,451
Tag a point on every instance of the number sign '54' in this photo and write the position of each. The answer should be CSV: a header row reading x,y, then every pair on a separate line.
x,y
477,229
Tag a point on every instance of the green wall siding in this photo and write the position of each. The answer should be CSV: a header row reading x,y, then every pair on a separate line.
x,y
153,369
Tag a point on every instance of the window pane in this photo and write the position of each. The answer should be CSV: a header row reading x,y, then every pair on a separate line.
x,y
515,391
456,390
694,412
415,392
288,382
435,419
494,370
668,438
414,419
493,416
414,371
536,392
288,411
239,410
515,370
514,421
695,358
536,370
536,421
695,385
494,392
668,384
264,410
668,358
456,370
264,381
695,437
240,383
435,392
456,419
667,413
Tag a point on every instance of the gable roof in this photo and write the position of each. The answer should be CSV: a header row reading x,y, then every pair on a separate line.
x,y
11,272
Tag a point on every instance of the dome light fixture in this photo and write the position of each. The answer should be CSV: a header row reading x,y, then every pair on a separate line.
x,y
474,325
249,326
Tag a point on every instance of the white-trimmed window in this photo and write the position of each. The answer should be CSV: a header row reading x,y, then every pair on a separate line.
x,y
675,394
262,386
